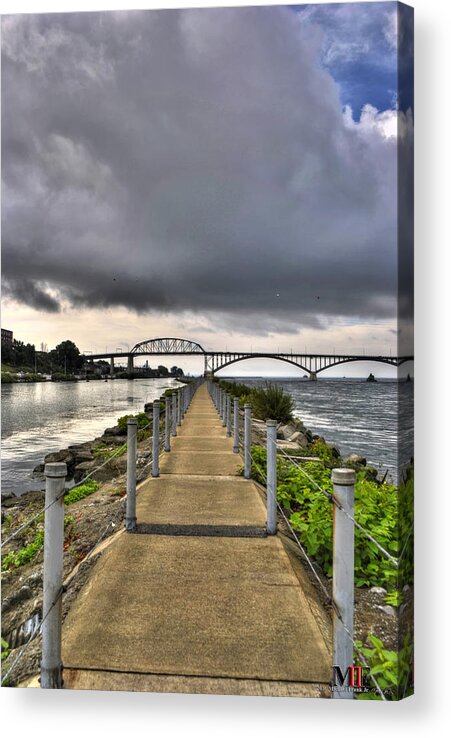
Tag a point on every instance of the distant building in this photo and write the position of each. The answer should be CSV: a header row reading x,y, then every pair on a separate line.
x,y
7,336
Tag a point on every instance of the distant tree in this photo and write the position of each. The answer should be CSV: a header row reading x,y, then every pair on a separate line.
x,y
66,356
176,371
8,353
18,354
163,371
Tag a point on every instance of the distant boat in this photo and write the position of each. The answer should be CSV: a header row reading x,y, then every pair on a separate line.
x,y
371,378
408,379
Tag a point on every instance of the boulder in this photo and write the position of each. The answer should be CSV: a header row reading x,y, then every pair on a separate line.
x,y
57,456
81,470
285,431
388,610
355,459
114,431
287,445
299,438
378,591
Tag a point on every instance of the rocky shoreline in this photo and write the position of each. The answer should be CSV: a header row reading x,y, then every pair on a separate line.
x,y
101,514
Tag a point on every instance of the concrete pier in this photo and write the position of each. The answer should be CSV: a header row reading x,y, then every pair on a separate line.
x,y
199,598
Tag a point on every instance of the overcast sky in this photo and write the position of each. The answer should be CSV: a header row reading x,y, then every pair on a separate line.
x,y
224,175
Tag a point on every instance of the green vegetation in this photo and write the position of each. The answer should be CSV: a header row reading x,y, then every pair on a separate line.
x,y
8,377
384,511
16,559
79,493
61,377
272,402
391,669
377,508
268,402
5,649
142,418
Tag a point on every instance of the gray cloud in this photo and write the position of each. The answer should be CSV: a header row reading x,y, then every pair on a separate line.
x,y
190,160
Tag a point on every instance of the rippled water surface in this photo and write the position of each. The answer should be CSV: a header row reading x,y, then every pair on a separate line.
x,y
357,416
373,419
46,416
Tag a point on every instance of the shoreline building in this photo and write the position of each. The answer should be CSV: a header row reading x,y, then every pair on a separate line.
x,y
7,336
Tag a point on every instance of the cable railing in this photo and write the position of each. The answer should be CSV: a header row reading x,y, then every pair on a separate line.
x,y
175,407
342,498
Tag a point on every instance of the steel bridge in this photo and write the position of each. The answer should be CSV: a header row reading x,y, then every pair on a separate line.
x,y
313,364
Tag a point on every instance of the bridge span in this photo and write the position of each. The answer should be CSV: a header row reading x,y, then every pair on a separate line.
x,y
313,364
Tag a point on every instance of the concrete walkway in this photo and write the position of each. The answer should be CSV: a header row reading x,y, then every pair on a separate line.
x,y
199,599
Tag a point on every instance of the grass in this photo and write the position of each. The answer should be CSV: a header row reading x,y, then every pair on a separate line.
x,y
16,559
79,493
268,402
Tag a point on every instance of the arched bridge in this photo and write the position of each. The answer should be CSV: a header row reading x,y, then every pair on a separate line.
x,y
313,364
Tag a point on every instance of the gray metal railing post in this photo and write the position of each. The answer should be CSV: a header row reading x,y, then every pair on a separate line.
x,y
247,441
182,402
271,477
229,414
343,575
236,425
224,409
51,666
130,513
167,423
156,439
174,414
179,407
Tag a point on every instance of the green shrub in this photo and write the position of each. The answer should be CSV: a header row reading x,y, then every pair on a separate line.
x,y
377,508
8,378
25,554
61,377
5,649
391,669
15,559
271,402
79,493
143,420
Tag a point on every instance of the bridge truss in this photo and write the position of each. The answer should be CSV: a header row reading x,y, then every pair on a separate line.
x,y
313,364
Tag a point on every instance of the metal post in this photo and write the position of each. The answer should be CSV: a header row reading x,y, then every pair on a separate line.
x,y
174,414
167,424
247,441
130,514
271,477
229,414
224,408
179,407
236,426
156,439
51,666
343,575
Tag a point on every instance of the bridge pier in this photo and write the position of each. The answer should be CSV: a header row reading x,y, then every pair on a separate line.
x,y
313,377
112,365
130,364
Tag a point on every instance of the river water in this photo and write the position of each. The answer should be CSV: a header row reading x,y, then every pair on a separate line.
x,y
41,417
374,419
356,416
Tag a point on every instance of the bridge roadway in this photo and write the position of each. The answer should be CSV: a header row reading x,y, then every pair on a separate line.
x,y
199,599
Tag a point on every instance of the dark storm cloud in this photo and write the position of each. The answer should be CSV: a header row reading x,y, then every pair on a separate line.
x,y
194,160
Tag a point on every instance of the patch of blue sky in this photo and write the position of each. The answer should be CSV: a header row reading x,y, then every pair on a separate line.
x,y
358,45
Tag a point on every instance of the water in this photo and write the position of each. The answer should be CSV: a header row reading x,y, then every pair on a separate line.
x,y
356,416
373,419
47,416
